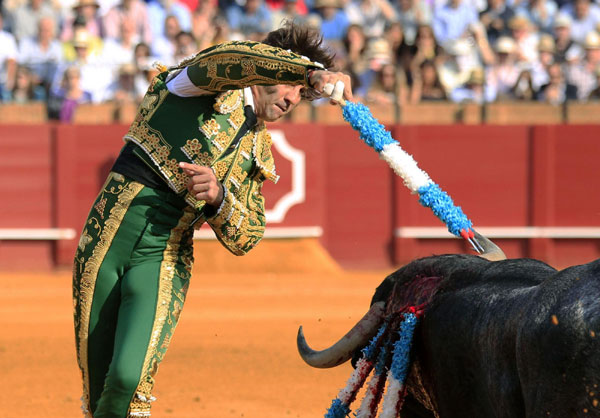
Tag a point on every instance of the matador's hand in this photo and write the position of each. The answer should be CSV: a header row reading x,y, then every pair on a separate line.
x,y
334,84
203,183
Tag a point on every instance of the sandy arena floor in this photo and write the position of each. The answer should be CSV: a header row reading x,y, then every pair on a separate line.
x,y
233,354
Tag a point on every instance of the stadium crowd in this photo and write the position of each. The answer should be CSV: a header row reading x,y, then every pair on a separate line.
x,y
67,52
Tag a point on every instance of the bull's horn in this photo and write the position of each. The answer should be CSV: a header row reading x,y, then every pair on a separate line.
x,y
490,250
343,350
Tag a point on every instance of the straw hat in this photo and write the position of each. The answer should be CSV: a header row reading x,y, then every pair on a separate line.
x,y
505,45
476,77
518,22
592,40
378,49
562,20
546,44
127,69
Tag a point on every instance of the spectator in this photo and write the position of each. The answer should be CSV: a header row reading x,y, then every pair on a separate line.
x,y
165,44
355,43
566,49
457,64
205,24
378,54
425,48
120,50
331,19
472,90
523,89
25,88
123,89
452,21
185,46
539,69
584,15
595,94
86,16
250,21
160,10
43,53
495,19
583,74
526,40
394,35
93,44
388,88
291,10
502,76
557,90
426,85
25,20
372,15
134,12
64,101
412,14
95,69
540,13
8,60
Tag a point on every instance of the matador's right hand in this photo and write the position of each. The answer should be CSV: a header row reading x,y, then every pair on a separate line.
x,y
330,83
203,183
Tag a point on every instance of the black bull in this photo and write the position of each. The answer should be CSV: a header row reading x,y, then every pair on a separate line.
x,y
511,338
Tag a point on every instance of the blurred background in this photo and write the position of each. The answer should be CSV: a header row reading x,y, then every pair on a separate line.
x,y
498,100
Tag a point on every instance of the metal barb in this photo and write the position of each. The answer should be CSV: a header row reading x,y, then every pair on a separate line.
x,y
476,246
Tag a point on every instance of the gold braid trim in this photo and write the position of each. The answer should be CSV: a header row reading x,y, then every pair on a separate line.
x,y
90,273
141,402
234,65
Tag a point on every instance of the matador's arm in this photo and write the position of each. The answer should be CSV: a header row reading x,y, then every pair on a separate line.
x,y
235,65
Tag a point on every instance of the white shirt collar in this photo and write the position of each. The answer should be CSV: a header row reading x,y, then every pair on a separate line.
x,y
248,97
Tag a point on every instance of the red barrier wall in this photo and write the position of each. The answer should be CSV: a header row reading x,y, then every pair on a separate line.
x,y
502,176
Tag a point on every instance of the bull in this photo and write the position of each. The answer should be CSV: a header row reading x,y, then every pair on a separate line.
x,y
506,338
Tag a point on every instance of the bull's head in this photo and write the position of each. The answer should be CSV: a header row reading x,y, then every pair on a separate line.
x,y
381,308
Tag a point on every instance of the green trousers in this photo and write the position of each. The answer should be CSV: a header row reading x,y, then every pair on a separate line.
x,y
130,277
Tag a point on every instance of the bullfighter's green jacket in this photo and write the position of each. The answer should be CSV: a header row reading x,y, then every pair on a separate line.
x,y
200,129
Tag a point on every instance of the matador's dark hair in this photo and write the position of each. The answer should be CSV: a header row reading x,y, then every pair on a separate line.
x,y
303,40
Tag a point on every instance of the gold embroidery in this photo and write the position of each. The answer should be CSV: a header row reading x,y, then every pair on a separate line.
x,y
210,128
221,168
100,207
165,295
228,101
90,272
285,67
263,156
193,150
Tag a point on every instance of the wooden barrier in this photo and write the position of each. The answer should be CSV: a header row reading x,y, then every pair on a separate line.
x,y
516,113
430,113
94,114
583,113
29,113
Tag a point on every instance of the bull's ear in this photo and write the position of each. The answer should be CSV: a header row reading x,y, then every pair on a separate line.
x,y
490,250
384,290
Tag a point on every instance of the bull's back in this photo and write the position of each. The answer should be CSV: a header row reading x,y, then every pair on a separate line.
x,y
558,345
469,334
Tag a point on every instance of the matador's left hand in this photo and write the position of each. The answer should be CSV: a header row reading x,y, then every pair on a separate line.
x,y
203,183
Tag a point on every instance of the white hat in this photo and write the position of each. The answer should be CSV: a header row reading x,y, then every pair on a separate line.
x,y
562,20
505,45
592,40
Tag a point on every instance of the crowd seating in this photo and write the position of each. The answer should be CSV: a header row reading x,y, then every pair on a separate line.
x,y
444,113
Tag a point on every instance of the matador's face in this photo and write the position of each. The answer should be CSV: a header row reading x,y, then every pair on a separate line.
x,y
273,102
